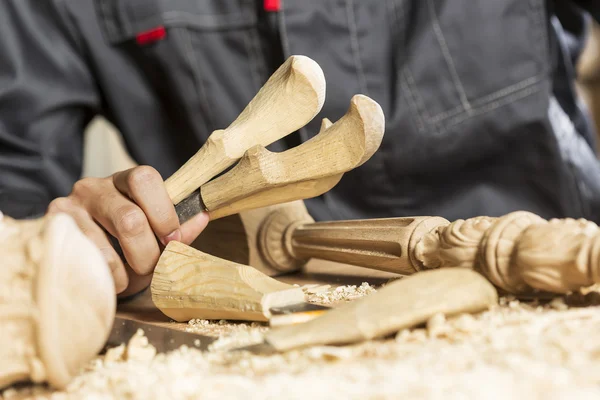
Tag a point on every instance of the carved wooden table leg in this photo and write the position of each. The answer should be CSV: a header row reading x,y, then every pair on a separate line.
x,y
57,300
520,253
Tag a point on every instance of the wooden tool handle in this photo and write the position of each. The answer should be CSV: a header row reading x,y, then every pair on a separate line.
x,y
399,305
188,283
385,244
290,99
263,178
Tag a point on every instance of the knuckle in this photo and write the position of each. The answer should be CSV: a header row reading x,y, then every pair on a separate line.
x,y
130,222
83,187
142,176
59,204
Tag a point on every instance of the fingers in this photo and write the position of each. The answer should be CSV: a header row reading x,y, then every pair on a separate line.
x,y
192,228
135,208
127,222
89,228
145,187
122,218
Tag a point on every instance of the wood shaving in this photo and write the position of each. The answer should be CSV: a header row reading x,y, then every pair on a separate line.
x,y
219,328
514,350
340,294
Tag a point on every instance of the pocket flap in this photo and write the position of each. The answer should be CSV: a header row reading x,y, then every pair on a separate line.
x,y
123,20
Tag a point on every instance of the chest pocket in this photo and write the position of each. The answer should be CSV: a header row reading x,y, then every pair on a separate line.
x,y
457,81
202,57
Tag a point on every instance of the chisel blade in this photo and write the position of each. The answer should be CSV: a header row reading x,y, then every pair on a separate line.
x,y
162,338
190,206
295,314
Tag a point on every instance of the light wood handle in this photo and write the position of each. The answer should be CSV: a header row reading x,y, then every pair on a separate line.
x,y
263,178
290,99
188,283
399,305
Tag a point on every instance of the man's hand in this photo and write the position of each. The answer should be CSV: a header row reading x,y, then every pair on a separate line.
x,y
134,207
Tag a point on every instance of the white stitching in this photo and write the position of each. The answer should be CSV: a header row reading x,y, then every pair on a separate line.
x,y
490,107
362,81
252,53
413,88
481,101
539,10
412,103
200,90
446,52
208,21
282,30
107,19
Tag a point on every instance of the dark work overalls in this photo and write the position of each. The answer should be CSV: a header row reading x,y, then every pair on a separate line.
x,y
481,115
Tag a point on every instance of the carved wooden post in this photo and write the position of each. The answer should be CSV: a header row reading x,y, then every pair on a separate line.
x,y
520,252
383,244
57,300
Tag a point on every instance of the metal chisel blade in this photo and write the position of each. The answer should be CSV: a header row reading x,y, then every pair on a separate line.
x,y
162,338
190,206
295,313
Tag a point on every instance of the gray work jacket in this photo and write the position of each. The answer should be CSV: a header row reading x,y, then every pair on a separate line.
x,y
481,117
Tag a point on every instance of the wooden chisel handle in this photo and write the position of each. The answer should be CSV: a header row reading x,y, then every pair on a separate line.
x,y
263,178
290,99
385,244
399,305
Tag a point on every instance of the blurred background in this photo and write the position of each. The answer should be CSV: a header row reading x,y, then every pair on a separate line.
x,y
105,153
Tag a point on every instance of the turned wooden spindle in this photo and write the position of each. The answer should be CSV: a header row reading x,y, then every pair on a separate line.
x,y
382,244
520,253
57,300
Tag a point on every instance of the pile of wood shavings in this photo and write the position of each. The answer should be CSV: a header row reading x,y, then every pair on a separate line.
x,y
515,350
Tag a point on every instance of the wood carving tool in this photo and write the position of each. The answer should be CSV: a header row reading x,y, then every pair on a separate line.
x,y
402,304
263,178
521,253
188,284
290,99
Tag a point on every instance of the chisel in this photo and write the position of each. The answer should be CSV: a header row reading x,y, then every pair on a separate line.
x,y
403,304
189,284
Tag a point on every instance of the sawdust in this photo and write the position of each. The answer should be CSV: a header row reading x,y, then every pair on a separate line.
x,y
223,328
515,350
327,296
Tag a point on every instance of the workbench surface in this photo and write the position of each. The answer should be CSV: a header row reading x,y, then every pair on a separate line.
x,y
513,351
